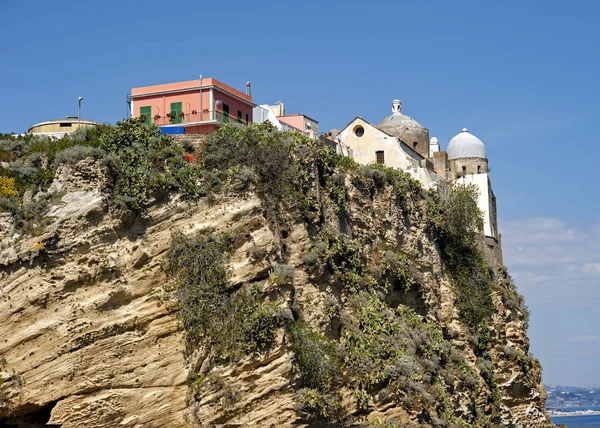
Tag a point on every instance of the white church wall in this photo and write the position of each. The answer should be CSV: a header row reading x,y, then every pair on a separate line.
x,y
428,179
483,200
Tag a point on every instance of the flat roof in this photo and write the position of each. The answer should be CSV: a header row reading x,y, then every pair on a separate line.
x,y
298,114
187,85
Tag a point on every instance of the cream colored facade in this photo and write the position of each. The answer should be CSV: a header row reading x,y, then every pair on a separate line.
x,y
60,127
367,142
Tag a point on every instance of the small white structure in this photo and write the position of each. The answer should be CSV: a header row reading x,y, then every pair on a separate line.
x,y
263,113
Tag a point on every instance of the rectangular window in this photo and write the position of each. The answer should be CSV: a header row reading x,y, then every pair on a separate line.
x,y
415,144
65,125
225,113
146,113
239,116
464,171
176,116
246,118
380,157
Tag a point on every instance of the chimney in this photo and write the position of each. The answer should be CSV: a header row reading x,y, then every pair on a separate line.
x,y
248,91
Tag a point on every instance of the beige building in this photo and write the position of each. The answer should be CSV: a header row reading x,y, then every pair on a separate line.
x,y
60,127
370,144
399,141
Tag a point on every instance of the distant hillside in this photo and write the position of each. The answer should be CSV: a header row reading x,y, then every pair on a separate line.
x,y
571,396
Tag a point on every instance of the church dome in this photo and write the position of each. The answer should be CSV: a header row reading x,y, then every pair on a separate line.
x,y
466,145
403,127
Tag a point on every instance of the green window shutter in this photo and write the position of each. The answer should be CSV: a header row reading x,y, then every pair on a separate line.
x,y
175,111
146,111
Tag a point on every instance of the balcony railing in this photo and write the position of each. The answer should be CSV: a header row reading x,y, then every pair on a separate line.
x,y
196,117
225,118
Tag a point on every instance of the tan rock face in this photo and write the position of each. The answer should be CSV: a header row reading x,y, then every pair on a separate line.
x,y
90,337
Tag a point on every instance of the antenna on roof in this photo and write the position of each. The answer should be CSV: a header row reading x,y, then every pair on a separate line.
x,y
128,102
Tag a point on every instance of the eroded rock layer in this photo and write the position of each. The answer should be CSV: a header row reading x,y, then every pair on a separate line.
x,y
89,327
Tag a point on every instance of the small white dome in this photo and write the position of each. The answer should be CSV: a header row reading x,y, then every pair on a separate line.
x,y
466,145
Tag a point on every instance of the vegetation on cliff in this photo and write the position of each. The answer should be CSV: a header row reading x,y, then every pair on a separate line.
x,y
375,338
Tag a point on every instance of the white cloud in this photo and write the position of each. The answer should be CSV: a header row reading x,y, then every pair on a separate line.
x,y
591,268
551,259
586,338
556,266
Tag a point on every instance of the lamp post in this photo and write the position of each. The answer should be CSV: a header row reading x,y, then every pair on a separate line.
x,y
79,112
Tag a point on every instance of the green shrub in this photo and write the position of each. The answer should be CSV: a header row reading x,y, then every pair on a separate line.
x,y
13,149
402,183
232,322
337,190
344,257
243,178
9,205
142,161
246,327
316,406
373,340
19,169
76,153
395,270
282,274
188,146
315,357
268,153
454,221
202,278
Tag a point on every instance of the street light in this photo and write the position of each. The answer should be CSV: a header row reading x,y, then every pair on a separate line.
x,y
79,112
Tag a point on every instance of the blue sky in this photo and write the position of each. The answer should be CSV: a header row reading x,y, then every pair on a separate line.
x,y
521,75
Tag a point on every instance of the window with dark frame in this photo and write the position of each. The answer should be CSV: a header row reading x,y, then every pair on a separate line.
x,y
246,118
225,113
379,157
239,116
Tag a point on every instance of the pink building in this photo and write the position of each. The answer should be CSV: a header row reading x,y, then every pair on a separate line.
x,y
192,107
301,122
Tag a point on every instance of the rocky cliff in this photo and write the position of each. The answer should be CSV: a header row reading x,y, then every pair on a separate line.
x,y
354,313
